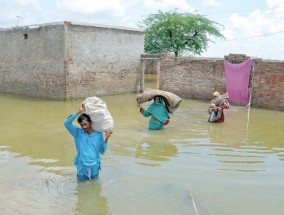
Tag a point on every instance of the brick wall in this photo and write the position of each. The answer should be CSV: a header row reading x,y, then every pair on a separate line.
x,y
70,60
268,85
31,61
197,78
192,78
102,60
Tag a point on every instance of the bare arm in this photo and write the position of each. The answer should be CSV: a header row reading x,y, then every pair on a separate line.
x,y
108,133
81,108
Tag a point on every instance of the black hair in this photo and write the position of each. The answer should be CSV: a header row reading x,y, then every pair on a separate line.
x,y
84,116
166,103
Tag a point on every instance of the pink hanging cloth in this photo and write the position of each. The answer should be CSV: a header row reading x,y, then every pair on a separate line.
x,y
237,81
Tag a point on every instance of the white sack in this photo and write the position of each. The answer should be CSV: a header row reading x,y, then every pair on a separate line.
x,y
99,114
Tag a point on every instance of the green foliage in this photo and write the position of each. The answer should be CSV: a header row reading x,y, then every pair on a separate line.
x,y
178,32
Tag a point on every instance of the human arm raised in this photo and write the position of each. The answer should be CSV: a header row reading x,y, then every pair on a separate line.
x,y
68,122
81,109
143,111
108,133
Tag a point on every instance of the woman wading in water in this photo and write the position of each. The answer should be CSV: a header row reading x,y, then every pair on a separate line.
x,y
158,112
217,106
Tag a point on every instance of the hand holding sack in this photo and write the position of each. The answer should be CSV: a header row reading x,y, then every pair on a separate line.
x,y
222,99
172,101
97,110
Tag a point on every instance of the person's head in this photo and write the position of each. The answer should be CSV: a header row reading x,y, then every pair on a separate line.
x,y
215,95
85,122
157,99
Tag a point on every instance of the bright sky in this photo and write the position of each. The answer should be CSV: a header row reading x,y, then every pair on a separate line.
x,y
251,27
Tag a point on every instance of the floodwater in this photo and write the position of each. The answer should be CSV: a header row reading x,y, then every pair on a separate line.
x,y
192,167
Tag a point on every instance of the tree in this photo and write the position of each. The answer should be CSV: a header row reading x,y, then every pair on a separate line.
x,y
177,32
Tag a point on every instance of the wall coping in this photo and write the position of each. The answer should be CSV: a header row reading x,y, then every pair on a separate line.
x,y
222,59
33,26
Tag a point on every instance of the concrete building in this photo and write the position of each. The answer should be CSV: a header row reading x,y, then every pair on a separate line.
x,y
70,60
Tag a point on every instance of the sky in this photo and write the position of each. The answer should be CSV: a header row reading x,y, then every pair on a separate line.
x,y
251,27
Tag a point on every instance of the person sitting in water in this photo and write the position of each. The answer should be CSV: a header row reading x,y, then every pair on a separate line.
x,y
158,112
217,106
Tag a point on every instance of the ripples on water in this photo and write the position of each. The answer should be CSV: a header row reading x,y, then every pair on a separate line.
x,y
230,168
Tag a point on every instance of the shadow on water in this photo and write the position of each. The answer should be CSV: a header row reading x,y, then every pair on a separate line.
x,y
231,168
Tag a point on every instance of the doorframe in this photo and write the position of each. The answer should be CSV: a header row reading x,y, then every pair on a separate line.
x,y
145,57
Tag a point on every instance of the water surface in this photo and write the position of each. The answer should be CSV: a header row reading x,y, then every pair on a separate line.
x,y
231,168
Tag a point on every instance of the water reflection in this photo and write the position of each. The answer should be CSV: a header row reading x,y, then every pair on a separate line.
x,y
155,148
90,199
151,81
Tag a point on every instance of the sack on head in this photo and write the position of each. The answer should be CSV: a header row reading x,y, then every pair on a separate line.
x,y
99,114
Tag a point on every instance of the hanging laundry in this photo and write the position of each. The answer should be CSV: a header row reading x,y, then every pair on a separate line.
x,y
237,81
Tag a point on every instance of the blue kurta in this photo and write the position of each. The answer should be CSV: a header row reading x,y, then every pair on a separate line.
x,y
89,147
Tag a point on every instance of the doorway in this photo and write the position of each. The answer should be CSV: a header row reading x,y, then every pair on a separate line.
x,y
150,77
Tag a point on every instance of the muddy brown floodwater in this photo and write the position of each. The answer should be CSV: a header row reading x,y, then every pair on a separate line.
x,y
231,168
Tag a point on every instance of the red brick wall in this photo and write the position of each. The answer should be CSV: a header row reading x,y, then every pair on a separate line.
x,y
268,85
197,78
192,78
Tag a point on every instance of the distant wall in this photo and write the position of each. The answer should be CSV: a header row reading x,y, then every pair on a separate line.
x,y
70,60
268,85
192,78
31,61
197,78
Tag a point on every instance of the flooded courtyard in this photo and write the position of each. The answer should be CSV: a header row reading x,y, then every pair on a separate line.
x,y
231,168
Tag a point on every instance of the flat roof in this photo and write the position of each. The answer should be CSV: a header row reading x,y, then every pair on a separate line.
x,y
75,23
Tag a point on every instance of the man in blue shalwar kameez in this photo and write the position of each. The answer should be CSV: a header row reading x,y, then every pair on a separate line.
x,y
89,145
